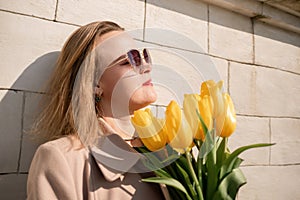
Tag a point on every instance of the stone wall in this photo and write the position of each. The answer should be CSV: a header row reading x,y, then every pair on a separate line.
x,y
258,58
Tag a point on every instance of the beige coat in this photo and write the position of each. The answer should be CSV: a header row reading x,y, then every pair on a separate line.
x,y
61,169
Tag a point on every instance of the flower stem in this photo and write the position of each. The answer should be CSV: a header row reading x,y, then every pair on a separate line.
x,y
194,177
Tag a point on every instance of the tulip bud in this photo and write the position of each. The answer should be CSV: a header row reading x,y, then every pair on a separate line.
x,y
150,129
205,111
190,108
227,122
180,135
214,90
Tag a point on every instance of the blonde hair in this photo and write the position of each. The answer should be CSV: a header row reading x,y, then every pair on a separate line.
x,y
56,120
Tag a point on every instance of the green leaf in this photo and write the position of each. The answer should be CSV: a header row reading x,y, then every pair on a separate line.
x,y
171,158
175,194
212,173
230,185
221,152
162,173
207,145
202,122
168,181
187,181
237,163
150,160
230,161
200,169
183,162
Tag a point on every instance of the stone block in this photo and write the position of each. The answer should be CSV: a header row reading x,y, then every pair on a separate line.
x,y
271,182
129,15
161,111
185,71
262,91
10,129
38,8
13,186
230,35
251,130
286,135
249,8
281,16
180,24
29,145
174,65
276,47
28,55
222,68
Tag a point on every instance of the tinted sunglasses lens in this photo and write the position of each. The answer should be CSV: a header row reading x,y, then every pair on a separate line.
x,y
147,56
134,57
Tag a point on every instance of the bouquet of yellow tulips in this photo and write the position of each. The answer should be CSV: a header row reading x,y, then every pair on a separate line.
x,y
196,162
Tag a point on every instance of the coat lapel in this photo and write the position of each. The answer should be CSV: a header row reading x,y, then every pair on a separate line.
x,y
114,156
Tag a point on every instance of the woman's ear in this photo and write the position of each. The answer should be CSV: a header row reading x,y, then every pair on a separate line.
x,y
98,91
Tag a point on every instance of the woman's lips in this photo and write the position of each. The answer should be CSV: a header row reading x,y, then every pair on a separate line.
x,y
148,83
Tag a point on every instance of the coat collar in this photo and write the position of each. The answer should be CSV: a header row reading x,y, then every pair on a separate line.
x,y
113,155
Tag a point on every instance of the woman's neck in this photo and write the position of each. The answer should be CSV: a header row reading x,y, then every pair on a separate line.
x,y
120,126
124,129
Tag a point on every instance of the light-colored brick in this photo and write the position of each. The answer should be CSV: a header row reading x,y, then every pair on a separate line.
x,y
26,52
222,68
276,47
39,8
249,8
167,89
13,186
251,130
184,67
10,129
185,20
188,69
271,182
129,15
264,91
230,35
29,145
279,17
161,112
286,135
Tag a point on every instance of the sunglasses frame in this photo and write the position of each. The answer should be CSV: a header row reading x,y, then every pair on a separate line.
x,y
132,62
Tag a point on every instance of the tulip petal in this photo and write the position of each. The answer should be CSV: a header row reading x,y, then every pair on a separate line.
x,y
205,110
150,129
173,120
210,88
190,107
183,138
180,135
227,122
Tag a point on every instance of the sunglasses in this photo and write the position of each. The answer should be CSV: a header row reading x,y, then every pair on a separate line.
x,y
134,57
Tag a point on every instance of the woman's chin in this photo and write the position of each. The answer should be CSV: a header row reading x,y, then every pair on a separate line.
x,y
140,101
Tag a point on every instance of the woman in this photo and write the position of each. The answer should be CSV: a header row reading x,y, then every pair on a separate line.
x,y
99,80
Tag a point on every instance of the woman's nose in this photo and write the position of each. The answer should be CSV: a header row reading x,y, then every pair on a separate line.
x,y
145,67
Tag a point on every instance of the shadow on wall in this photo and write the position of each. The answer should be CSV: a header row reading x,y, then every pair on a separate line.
x,y
219,16
18,109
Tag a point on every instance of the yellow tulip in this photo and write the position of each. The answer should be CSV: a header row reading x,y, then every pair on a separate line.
x,y
227,122
190,105
141,118
205,110
205,87
180,135
214,90
150,129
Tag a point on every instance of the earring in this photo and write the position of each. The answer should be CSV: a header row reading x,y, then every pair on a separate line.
x,y
97,99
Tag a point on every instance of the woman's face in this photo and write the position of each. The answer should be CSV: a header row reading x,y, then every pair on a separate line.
x,y
121,85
